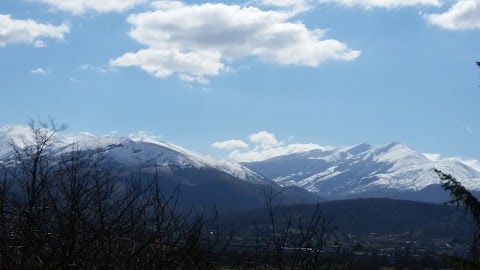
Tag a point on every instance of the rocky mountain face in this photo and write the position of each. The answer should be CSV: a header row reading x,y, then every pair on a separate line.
x,y
393,170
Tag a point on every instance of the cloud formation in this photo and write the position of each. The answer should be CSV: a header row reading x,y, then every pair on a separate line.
x,y
79,7
306,4
265,146
258,153
196,41
39,44
463,15
39,71
264,139
144,134
230,144
162,63
98,69
295,6
28,31
383,3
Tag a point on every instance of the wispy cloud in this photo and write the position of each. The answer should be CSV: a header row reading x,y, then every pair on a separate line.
x,y
383,3
79,7
302,5
99,69
296,6
39,44
28,31
144,134
40,71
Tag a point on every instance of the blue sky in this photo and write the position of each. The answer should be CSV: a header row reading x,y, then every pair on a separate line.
x,y
255,78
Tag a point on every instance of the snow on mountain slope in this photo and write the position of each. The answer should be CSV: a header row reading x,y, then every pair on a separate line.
x,y
18,135
141,150
363,170
133,151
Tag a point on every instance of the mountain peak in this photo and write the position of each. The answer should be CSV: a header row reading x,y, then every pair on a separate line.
x,y
359,148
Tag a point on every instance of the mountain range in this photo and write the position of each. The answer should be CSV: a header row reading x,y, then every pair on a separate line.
x,y
201,179
393,170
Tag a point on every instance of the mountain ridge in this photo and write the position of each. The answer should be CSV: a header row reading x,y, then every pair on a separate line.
x,y
127,149
391,170
201,179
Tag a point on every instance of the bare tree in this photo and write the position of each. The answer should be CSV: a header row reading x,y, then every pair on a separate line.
x,y
297,240
65,208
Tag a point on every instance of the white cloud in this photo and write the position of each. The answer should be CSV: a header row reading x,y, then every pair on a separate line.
x,y
265,146
463,15
260,153
163,63
295,5
301,5
78,7
188,78
475,164
196,41
166,4
39,71
39,44
230,144
99,69
144,134
28,31
383,3
265,139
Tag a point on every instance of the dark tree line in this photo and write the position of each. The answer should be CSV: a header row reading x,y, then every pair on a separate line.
x,y
66,209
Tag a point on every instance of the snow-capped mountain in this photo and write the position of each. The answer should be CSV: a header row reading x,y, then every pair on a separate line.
x,y
201,178
132,151
392,170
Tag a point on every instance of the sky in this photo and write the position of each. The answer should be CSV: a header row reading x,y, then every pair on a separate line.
x,y
249,80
